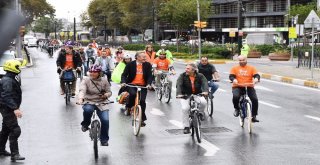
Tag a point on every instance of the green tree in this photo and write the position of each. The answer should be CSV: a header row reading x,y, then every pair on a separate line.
x,y
85,20
137,15
303,11
46,25
34,9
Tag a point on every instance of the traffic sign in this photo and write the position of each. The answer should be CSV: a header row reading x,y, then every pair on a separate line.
x,y
316,20
292,32
232,34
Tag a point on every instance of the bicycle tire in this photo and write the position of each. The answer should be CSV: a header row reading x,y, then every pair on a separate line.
x,y
210,106
159,93
167,94
94,133
196,125
136,119
249,116
66,90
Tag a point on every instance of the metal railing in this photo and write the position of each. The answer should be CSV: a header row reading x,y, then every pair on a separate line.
x,y
304,59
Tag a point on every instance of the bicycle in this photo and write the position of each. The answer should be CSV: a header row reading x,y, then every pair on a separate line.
x,y
164,88
245,107
195,116
209,99
68,78
95,127
136,111
80,73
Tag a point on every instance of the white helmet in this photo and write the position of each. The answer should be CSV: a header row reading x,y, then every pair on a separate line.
x,y
126,56
163,45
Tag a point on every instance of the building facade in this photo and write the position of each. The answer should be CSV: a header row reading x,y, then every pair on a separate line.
x,y
264,18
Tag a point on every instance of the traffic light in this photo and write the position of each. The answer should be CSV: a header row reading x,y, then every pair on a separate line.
x,y
197,24
22,30
203,24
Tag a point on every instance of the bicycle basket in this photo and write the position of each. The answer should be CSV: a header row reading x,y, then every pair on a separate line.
x,y
123,97
68,76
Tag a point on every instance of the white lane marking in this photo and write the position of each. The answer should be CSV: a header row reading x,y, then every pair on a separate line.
x,y
176,123
312,117
209,147
221,90
268,104
263,88
292,85
157,112
226,72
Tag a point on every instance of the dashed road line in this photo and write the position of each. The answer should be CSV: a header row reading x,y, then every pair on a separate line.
x,y
263,88
269,104
157,112
312,117
209,147
176,123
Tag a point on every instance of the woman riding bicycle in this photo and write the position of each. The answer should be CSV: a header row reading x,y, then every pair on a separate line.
x,y
191,82
94,91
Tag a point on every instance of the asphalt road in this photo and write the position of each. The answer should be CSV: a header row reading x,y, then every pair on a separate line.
x,y
51,133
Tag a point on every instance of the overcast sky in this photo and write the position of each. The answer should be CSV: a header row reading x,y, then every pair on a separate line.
x,y
69,8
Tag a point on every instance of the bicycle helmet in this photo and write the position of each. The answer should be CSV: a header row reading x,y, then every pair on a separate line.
x,y
163,45
12,66
95,68
163,52
120,47
126,56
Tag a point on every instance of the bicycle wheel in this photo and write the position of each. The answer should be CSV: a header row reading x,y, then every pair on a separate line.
x,y
67,93
196,126
95,127
167,93
249,117
136,119
159,92
210,106
241,117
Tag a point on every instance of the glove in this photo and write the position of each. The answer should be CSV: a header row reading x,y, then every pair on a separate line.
x,y
255,80
235,81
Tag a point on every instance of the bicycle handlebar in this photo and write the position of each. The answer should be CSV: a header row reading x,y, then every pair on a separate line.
x,y
187,96
134,86
103,103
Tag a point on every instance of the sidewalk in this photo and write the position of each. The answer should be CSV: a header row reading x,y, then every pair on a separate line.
x,y
282,71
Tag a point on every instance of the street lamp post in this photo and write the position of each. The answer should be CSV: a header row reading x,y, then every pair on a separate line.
x,y
55,29
18,39
105,28
199,29
239,26
74,29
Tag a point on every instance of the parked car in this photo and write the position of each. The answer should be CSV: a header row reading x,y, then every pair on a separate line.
x,y
8,55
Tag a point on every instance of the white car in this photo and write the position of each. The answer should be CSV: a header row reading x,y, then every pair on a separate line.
x,y
7,55
32,42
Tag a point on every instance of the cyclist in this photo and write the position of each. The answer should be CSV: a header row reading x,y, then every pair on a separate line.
x,y
243,74
10,101
162,64
168,53
210,72
90,54
150,53
68,60
94,44
191,82
118,70
107,64
119,55
138,72
95,89
99,51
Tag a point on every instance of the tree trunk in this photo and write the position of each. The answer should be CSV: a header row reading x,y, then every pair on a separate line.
x,y
129,35
114,34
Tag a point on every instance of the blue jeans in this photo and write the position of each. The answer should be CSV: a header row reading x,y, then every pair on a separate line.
x,y
85,66
103,116
214,86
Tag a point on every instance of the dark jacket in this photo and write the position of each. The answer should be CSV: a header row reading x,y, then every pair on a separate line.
x,y
184,84
10,92
62,59
130,70
207,70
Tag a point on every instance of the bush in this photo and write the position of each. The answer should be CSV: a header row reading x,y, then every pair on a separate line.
x,y
266,49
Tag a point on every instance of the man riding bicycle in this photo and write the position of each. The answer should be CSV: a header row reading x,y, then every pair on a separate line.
x,y
162,64
210,72
95,90
138,72
191,82
107,64
244,74
90,56
163,47
68,60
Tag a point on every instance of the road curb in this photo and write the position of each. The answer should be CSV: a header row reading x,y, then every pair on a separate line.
x,y
290,80
210,61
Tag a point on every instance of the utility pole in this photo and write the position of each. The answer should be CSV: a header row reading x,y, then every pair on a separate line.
x,y
153,27
74,29
55,29
105,28
239,26
18,39
199,29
